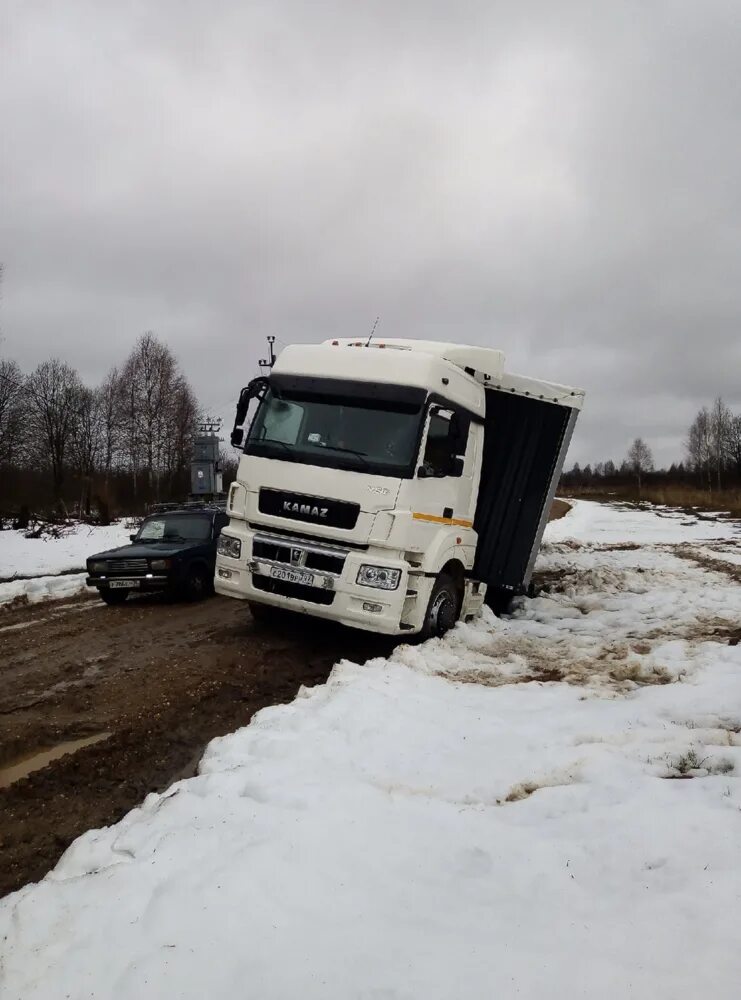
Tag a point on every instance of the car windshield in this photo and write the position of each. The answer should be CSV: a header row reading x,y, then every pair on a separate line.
x,y
362,435
175,528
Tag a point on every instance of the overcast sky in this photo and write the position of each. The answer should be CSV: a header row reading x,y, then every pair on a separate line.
x,y
559,180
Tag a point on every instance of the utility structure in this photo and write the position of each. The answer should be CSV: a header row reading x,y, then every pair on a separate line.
x,y
205,466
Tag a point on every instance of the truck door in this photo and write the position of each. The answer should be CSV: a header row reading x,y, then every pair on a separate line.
x,y
444,471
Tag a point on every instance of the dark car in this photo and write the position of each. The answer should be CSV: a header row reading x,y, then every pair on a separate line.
x,y
173,550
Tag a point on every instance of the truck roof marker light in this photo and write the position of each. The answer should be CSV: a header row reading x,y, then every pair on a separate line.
x,y
335,343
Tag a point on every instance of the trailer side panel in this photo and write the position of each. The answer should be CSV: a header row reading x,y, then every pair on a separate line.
x,y
525,444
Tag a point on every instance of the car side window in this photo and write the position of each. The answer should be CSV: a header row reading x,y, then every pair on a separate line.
x,y
447,437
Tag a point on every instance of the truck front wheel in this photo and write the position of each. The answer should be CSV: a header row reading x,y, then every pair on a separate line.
x,y
267,615
443,608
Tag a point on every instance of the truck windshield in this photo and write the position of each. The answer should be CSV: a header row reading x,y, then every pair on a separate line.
x,y
175,528
343,432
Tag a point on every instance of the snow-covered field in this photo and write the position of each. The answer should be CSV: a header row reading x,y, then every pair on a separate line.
x,y
543,807
40,562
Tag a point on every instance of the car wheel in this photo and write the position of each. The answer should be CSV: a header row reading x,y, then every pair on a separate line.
x,y
196,584
442,609
113,597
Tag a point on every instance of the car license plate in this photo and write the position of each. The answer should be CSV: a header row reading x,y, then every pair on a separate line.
x,y
292,575
124,584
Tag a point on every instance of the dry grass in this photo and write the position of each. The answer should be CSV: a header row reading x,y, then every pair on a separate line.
x,y
684,497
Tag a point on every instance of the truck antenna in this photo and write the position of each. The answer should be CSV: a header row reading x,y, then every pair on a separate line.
x,y
263,363
372,331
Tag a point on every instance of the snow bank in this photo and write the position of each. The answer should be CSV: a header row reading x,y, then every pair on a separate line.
x,y
42,588
492,815
613,524
44,559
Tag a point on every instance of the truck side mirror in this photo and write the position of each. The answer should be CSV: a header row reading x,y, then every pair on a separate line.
x,y
255,390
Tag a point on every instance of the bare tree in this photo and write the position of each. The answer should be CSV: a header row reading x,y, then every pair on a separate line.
x,y
53,392
734,445
12,423
86,443
157,412
182,418
700,446
108,395
640,460
721,422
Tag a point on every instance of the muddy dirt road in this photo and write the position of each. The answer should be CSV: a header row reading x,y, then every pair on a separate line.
x,y
133,694
161,678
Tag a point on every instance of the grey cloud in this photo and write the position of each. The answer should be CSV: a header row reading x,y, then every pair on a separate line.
x,y
559,180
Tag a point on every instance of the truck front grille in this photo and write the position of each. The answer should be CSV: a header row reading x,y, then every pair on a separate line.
x,y
297,552
127,566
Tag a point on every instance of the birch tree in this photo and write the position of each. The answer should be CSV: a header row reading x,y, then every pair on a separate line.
x,y
640,460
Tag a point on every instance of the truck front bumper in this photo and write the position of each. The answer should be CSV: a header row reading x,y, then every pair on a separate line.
x,y
334,596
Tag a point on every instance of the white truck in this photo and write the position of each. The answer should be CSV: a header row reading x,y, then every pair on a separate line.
x,y
393,485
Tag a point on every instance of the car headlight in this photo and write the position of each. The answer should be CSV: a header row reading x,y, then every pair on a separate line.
x,y
378,576
96,566
160,563
229,546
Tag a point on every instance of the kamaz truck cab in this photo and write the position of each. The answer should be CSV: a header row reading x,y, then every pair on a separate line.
x,y
394,486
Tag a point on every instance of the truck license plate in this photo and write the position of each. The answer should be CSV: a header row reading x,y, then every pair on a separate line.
x,y
292,575
123,584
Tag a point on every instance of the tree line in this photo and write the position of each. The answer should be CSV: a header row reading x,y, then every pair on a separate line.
x,y
120,444
712,458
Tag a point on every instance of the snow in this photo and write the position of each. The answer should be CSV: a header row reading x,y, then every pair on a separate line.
x,y
494,814
42,561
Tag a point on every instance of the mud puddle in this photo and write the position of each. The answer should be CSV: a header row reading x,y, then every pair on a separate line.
x,y
36,761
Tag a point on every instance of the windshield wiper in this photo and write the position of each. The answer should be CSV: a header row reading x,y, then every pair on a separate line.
x,y
283,444
350,451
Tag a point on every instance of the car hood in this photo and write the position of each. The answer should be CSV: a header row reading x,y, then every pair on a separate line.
x,y
141,550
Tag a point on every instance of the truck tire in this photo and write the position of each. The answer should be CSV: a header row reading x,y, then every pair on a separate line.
x,y
113,597
443,608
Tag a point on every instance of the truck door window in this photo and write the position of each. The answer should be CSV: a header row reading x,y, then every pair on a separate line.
x,y
447,436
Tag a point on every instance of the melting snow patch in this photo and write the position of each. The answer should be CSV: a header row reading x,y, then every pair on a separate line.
x,y
452,821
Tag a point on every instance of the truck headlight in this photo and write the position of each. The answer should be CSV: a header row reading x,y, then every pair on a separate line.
x,y
96,567
378,576
229,546
160,564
